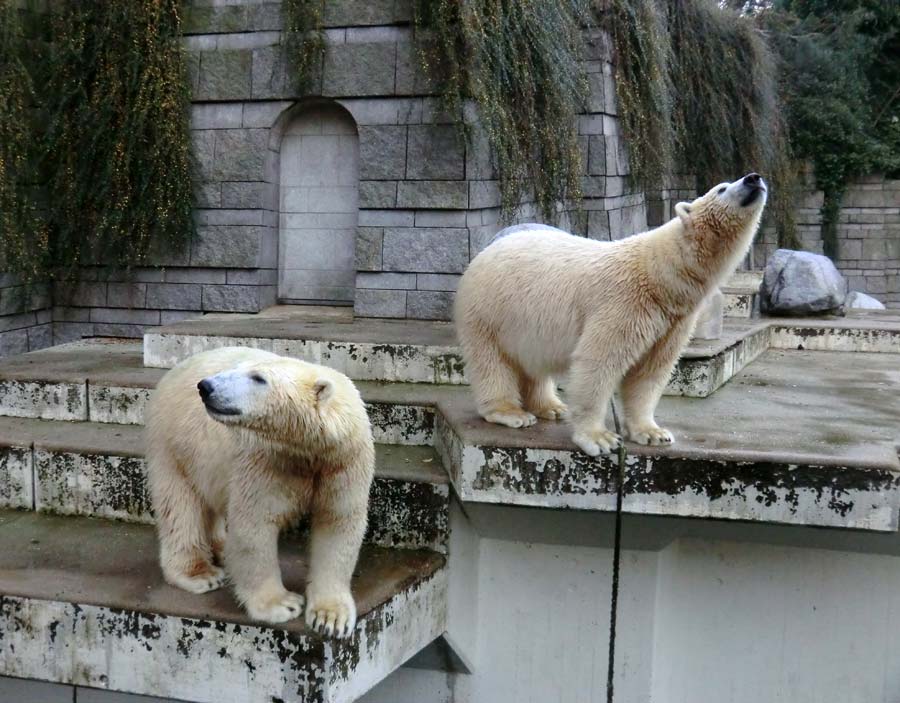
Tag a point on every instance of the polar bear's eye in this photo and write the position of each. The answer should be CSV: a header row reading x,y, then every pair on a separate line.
x,y
722,190
258,379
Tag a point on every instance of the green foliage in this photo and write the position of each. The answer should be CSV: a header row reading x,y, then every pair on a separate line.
x,y
519,61
23,239
841,88
302,39
117,144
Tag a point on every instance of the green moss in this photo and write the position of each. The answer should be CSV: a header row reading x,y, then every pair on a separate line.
x,y
302,40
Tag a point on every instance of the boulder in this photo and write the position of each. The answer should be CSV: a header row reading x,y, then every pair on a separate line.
x,y
801,283
524,227
861,301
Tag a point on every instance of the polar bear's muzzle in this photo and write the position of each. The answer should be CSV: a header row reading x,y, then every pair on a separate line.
x,y
212,397
752,188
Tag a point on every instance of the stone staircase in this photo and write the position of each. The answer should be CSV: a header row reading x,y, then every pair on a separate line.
x,y
81,598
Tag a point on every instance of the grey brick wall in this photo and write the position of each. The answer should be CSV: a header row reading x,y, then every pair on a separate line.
x,y
26,320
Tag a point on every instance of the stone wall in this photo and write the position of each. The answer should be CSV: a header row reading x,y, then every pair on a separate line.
x,y
868,252
25,316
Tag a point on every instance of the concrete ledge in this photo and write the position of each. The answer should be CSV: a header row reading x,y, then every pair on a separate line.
x,y
98,470
799,438
83,602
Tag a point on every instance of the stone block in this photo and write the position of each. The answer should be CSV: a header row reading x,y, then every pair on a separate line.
x,y
194,275
222,216
368,248
429,305
483,194
389,281
225,75
248,195
126,295
128,316
263,114
387,218
208,194
265,16
252,277
16,322
14,342
411,77
437,281
437,195
203,143
479,161
71,331
240,154
210,19
597,155
345,13
174,296
435,152
169,317
873,249
40,336
850,249
359,69
382,152
81,294
441,218
216,115
377,194
429,250
269,74
380,303
238,247
231,298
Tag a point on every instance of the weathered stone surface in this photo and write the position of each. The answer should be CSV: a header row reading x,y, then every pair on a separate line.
x,y
437,281
203,142
213,19
240,154
382,152
429,250
224,75
380,303
216,115
377,194
862,301
429,305
435,152
173,296
368,248
126,295
801,283
344,13
391,281
438,195
269,73
83,294
359,69
16,484
208,194
239,247
247,195
231,298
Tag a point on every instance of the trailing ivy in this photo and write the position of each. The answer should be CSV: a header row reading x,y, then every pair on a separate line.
x,y
117,145
302,39
23,235
520,63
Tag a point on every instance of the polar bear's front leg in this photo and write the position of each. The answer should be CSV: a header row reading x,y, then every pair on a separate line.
x,y
645,382
251,551
336,535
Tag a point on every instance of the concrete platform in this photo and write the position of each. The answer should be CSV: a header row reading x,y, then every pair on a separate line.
x,y
98,470
797,438
83,602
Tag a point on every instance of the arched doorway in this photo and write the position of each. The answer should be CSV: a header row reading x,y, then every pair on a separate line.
x,y
319,207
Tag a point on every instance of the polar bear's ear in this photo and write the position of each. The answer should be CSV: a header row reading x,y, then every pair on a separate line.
x,y
683,210
324,389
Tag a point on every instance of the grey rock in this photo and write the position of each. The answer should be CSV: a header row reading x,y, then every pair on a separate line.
x,y
435,152
371,302
801,283
231,298
426,250
524,227
382,152
860,301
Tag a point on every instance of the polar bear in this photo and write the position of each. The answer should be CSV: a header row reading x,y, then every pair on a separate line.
x,y
534,305
266,439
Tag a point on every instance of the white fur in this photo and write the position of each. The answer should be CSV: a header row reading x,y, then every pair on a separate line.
x,y
537,304
277,438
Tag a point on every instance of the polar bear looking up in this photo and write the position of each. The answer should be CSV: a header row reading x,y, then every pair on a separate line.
x,y
266,440
535,305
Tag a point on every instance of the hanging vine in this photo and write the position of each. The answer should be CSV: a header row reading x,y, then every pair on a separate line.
x,y
302,39
117,143
520,63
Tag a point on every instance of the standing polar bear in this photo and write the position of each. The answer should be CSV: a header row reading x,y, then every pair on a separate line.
x,y
536,304
273,438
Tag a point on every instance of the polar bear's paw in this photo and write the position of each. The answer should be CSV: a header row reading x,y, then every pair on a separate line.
x,y
203,577
511,417
596,442
333,615
552,411
654,436
281,607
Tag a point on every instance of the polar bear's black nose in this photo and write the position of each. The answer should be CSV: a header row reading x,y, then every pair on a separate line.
x,y
752,179
205,388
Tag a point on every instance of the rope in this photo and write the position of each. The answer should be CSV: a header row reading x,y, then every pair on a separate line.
x,y
617,556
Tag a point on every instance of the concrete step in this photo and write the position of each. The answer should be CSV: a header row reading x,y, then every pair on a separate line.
x,y
98,470
740,302
797,438
82,601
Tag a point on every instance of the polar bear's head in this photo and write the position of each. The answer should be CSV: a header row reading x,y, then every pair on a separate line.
x,y
280,398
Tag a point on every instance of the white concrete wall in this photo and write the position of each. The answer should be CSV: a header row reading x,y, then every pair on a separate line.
x,y
319,206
